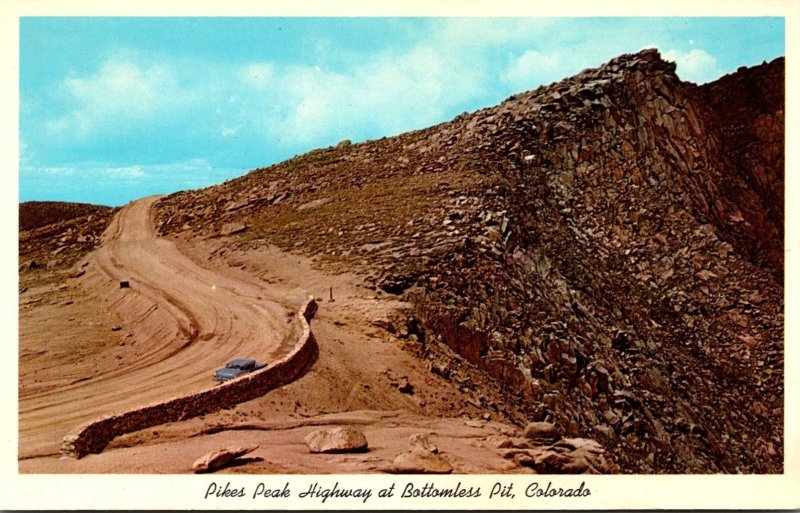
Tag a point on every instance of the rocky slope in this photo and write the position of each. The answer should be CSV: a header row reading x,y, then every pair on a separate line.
x,y
33,214
55,235
608,249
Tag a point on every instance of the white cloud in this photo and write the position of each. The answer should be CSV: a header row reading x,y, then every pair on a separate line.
x,y
262,105
25,155
126,172
119,92
307,120
47,171
533,68
125,88
294,107
384,94
696,65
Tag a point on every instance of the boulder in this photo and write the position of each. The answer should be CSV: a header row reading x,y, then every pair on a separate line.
x,y
543,432
395,283
219,458
232,228
384,323
418,461
567,456
406,387
313,204
341,439
234,205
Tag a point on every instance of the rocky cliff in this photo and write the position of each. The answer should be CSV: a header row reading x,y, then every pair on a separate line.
x,y
744,112
608,248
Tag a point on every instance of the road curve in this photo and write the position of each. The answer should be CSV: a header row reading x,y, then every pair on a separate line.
x,y
186,321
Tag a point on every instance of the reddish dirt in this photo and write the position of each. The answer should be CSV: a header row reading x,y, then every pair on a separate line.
x,y
184,316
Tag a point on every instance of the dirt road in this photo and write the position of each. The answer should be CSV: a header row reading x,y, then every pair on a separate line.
x,y
89,348
182,320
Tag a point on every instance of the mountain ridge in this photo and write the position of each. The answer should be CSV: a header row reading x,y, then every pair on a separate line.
x,y
34,214
607,249
585,243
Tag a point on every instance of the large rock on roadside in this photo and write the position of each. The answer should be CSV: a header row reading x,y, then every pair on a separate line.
x,y
342,439
219,458
418,461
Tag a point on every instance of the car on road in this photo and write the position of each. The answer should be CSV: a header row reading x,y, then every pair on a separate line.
x,y
236,368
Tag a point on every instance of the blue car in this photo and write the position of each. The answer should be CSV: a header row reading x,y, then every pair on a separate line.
x,y
236,368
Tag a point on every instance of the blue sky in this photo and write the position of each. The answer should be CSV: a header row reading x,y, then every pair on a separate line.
x,y
112,109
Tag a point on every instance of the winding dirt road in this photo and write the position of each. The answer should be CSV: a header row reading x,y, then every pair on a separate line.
x,y
184,321
89,348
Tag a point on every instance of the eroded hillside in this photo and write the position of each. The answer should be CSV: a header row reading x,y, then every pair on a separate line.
x,y
608,248
54,235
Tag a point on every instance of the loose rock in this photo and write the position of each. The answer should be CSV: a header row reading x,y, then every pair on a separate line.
x,y
340,439
542,432
232,228
420,462
219,458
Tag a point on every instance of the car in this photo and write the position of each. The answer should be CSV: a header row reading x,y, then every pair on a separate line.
x,y
236,368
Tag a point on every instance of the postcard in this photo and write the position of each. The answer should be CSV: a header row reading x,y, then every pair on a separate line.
x,y
407,257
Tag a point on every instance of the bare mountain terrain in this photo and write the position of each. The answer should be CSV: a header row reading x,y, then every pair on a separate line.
x,y
604,254
33,214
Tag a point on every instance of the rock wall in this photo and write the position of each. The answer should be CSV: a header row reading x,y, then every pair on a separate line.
x,y
631,287
96,435
745,111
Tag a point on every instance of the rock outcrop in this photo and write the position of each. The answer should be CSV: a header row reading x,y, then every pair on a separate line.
x,y
567,456
745,111
608,248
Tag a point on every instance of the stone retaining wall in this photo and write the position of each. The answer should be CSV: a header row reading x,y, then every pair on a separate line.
x,y
96,435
